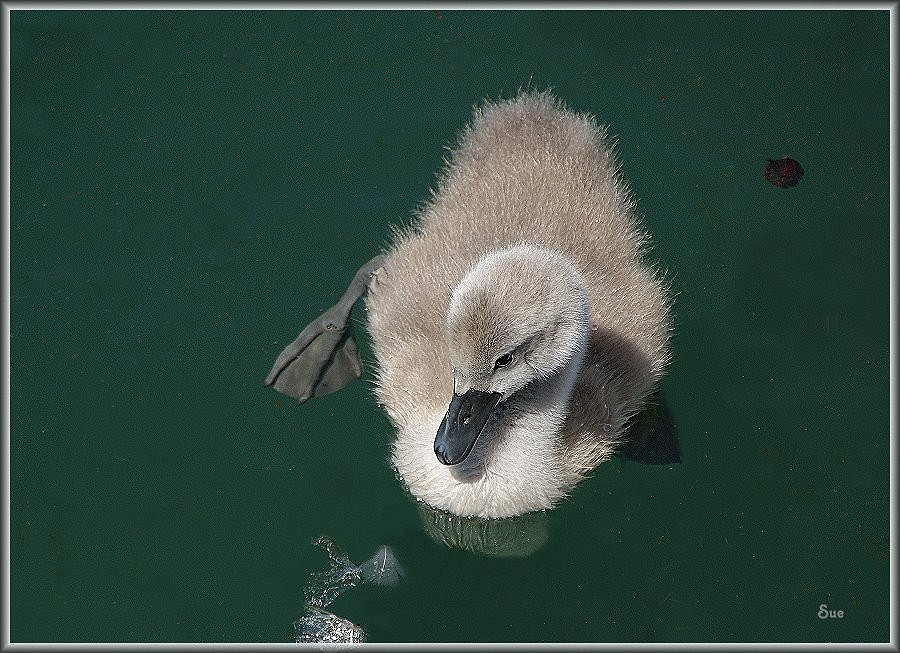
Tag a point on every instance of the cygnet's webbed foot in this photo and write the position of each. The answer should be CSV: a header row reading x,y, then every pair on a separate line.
x,y
651,437
324,357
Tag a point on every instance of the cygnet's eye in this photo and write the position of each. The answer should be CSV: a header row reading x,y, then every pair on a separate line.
x,y
503,361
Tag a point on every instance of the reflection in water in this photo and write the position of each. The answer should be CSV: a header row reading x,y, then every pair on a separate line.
x,y
318,625
516,537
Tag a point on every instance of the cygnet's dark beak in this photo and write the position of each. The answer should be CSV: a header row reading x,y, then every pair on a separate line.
x,y
463,423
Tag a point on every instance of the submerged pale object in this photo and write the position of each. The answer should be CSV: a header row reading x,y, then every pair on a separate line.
x,y
317,624
383,568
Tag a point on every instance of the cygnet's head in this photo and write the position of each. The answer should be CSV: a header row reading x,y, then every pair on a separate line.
x,y
519,315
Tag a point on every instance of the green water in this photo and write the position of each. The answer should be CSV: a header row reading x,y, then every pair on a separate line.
x,y
188,189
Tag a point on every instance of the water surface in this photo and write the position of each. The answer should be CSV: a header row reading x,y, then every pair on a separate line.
x,y
189,189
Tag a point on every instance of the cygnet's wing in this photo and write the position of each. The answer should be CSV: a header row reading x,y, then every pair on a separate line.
x,y
324,358
651,437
